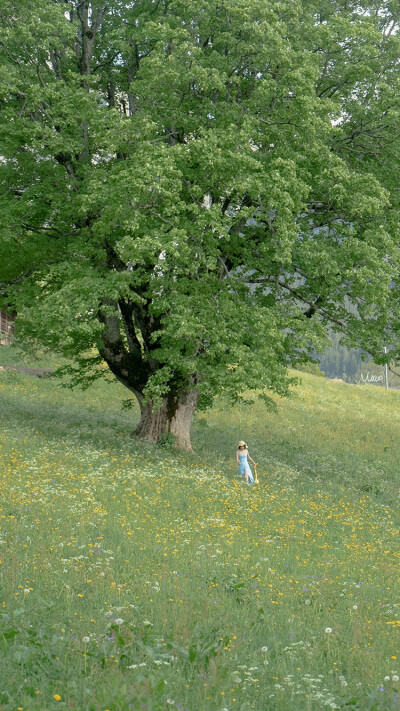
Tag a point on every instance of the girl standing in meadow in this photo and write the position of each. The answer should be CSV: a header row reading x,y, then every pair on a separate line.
x,y
242,455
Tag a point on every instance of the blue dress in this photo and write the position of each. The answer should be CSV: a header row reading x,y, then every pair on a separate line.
x,y
244,467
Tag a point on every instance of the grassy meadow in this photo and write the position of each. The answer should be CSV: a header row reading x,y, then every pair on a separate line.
x,y
136,577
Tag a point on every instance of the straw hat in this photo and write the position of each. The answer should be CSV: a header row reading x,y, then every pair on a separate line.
x,y
242,444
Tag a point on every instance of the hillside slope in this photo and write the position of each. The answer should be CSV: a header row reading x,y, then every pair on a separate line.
x,y
136,577
332,432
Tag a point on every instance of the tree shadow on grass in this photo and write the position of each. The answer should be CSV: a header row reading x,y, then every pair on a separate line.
x,y
80,416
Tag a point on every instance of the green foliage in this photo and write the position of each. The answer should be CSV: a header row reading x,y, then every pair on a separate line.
x,y
196,190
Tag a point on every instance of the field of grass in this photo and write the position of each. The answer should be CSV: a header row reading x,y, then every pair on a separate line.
x,y
136,577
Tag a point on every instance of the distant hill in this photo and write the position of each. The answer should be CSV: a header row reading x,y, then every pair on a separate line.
x,y
338,361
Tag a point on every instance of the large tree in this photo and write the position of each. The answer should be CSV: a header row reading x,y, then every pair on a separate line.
x,y
192,191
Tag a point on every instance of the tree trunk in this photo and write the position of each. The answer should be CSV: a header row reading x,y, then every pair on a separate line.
x,y
173,417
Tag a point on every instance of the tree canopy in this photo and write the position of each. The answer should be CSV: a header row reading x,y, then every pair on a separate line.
x,y
193,191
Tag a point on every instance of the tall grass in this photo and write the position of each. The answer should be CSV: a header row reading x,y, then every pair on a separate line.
x,y
135,577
